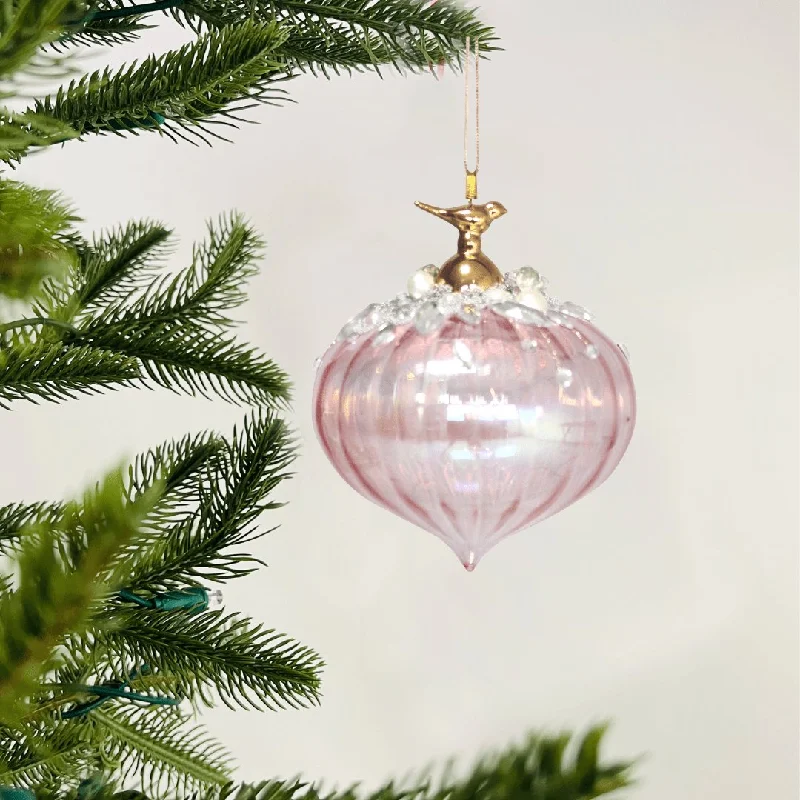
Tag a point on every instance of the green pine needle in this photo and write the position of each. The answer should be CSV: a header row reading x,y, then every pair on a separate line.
x,y
109,269
119,262
204,83
254,463
53,372
354,34
26,25
357,34
173,328
180,467
44,756
50,600
214,492
21,132
88,31
330,34
36,234
158,751
518,773
190,359
113,321
15,518
217,656
212,284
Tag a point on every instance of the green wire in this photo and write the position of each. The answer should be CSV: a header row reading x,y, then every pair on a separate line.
x,y
194,599
130,597
10,793
130,11
117,689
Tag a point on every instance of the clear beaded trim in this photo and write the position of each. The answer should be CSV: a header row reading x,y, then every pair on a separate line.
x,y
522,298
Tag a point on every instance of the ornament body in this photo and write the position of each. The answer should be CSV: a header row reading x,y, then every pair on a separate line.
x,y
475,416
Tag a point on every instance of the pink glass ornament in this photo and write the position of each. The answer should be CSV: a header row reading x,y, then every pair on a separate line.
x,y
478,429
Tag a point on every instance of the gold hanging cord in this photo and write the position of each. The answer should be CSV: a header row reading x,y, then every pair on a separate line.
x,y
472,175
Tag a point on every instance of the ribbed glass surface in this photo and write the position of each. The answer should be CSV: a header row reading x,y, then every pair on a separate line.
x,y
475,431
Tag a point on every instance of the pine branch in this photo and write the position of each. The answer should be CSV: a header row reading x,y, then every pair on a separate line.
x,y
20,132
110,23
54,372
36,234
158,752
538,771
28,24
212,284
118,262
51,601
172,328
16,517
254,464
243,664
354,34
342,51
212,492
43,756
525,772
182,92
198,295
345,35
224,501
185,358
88,32
110,268
120,334
180,468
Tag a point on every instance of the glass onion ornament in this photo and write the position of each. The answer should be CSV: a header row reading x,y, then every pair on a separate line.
x,y
474,404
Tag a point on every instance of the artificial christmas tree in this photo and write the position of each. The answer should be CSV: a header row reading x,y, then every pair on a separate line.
x,y
109,645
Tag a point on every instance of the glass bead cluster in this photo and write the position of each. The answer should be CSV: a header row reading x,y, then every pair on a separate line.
x,y
522,297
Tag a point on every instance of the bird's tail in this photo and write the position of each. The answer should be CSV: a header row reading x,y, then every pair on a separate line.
x,y
442,213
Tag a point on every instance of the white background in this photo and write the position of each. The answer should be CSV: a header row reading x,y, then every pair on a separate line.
x,y
647,153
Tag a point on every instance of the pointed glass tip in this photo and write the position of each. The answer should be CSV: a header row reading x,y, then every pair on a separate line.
x,y
471,563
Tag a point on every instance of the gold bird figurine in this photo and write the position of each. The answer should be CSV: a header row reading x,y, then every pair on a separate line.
x,y
469,265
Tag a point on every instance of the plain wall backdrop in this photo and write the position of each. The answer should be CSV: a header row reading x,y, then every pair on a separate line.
x,y
647,153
